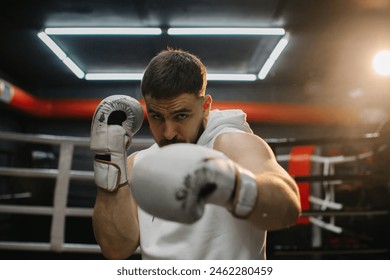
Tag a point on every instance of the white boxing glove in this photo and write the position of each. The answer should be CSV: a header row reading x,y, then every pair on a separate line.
x,y
176,182
116,119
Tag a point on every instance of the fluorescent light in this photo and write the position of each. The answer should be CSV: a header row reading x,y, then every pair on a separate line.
x,y
114,76
61,54
231,77
138,76
265,69
279,48
73,67
102,31
226,31
273,57
44,36
52,45
158,31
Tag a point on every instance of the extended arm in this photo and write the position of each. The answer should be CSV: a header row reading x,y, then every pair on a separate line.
x,y
277,203
239,174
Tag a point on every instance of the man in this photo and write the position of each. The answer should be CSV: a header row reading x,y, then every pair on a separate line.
x,y
178,200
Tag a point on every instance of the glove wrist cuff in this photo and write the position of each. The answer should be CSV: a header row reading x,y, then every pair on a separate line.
x,y
108,175
245,194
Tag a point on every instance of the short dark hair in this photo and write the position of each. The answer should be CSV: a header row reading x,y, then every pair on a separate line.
x,y
173,72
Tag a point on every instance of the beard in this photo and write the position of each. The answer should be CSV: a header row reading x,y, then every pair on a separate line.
x,y
165,142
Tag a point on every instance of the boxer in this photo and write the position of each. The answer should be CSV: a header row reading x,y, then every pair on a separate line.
x,y
207,189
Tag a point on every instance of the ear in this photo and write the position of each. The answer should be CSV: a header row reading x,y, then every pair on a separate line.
x,y
207,104
206,108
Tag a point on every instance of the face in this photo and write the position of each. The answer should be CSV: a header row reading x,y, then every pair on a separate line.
x,y
177,120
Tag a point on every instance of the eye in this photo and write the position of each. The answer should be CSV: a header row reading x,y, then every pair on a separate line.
x,y
156,117
181,116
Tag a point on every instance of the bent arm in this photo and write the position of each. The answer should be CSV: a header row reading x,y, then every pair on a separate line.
x,y
278,202
115,221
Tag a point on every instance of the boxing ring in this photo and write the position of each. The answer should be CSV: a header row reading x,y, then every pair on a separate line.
x,y
315,174
319,179
63,177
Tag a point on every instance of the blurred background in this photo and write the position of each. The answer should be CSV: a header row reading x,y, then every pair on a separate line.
x,y
312,76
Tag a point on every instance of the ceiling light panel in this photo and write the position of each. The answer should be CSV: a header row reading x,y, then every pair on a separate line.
x,y
243,64
226,31
103,31
114,76
276,52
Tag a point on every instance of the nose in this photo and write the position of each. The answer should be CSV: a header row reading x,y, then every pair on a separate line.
x,y
170,130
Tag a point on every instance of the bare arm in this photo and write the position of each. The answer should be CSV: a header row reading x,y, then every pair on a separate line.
x,y
115,221
278,202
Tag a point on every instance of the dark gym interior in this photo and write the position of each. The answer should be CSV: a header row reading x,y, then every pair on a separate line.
x,y
325,98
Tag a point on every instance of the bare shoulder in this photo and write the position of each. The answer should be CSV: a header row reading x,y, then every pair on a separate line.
x,y
241,142
249,150
130,160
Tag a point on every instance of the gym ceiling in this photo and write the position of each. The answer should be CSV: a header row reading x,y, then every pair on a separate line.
x,y
327,62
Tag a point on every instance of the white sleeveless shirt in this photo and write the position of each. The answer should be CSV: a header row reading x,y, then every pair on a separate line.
x,y
217,235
